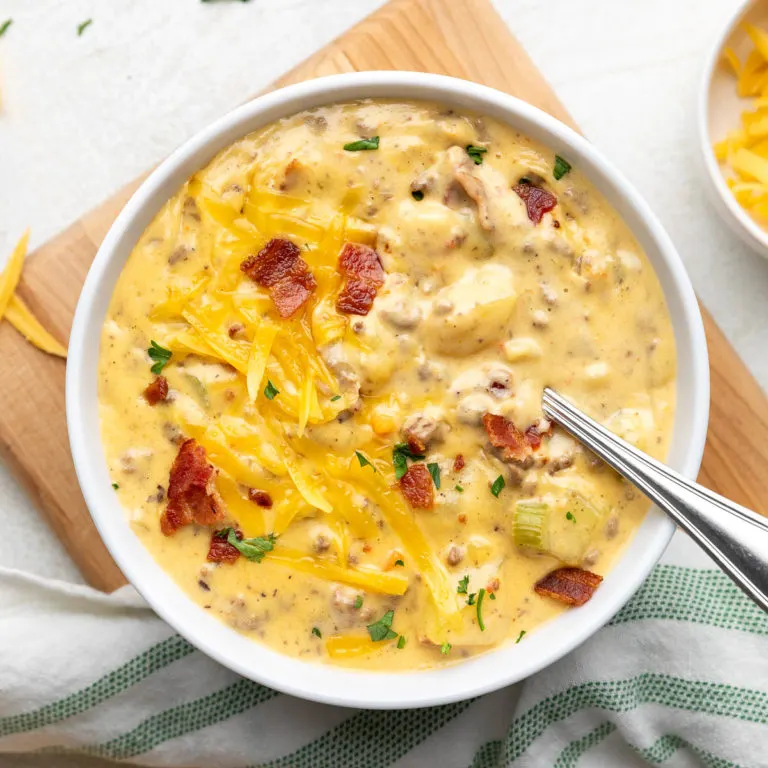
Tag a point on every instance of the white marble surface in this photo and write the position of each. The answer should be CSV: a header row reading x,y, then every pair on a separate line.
x,y
83,115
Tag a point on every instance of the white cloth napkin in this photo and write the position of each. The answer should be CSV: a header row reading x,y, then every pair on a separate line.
x,y
679,678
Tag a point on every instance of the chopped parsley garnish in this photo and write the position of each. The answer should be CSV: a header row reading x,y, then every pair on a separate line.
x,y
471,598
160,355
400,453
480,622
417,194
382,629
115,486
460,489
316,632
476,153
4,26
463,584
562,167
271,391
361,144
445,649
82,27
570,516
498,484
400,563
401,642
492,595
335,398
364,462
252,549
358,602
520,636
434,470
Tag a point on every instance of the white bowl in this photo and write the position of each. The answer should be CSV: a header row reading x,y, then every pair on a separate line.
x,y
719,111
326,683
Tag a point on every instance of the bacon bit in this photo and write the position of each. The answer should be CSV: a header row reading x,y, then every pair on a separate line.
x,y
262,498
364,275
221,551
279,267
505,435
192,494
537,200
416,485
367,547
392,558
235,331
462,518
492,586
573,586
157,391
458,463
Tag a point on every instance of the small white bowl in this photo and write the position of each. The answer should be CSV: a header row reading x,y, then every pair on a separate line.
x,y
720,111
326,683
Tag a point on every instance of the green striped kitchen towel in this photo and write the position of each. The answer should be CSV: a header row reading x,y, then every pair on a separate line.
x,y
678,678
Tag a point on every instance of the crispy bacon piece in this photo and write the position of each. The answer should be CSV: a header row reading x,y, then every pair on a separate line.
x,y
221,551
192,494
157,391
573,586
279,267
416,485
364,275
262,498
537,200
458,463
415,444
535,432
507,437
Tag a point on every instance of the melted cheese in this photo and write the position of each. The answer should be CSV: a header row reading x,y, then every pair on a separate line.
x,y
480,309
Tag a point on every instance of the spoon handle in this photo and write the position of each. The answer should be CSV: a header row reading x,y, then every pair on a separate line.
x,y
733,536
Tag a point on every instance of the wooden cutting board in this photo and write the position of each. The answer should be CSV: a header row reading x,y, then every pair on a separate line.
x,y
464,38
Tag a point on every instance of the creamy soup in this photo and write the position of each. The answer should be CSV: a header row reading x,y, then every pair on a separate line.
x,y
321,377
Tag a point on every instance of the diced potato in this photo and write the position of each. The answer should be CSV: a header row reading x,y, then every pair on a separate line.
x,y
635,425
473,312
516,350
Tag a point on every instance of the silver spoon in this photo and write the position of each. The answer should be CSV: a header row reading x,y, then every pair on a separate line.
x,y
733,536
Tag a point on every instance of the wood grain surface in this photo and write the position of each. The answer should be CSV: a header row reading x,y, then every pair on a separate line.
x,y
464,38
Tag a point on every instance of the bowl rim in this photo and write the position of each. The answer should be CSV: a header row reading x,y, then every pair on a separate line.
x,y
740,222
329,684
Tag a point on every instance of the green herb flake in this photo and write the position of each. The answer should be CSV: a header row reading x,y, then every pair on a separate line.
x,y
251,549
115,486
459,488
401,642
463,584
476,153
382,629
570,516
471,598
417,195
4,26
358,602
520,636
400,563
445,649
316,632
480,622
364,462
335,398
492,595
83,26
562,167
497,486
400,453
434,470
271,391
160,355
362,144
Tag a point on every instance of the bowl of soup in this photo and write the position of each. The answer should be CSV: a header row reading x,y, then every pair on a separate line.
x,y
305,377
